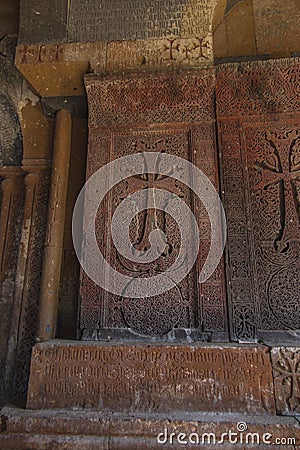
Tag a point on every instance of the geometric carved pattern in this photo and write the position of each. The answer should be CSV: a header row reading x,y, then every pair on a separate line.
x,y
166,113
11,207
286,371
37,192
261,178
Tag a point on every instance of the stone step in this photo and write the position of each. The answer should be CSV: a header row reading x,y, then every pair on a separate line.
x,y
84,430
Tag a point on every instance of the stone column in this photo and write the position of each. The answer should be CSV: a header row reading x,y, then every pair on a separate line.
x,y
27,286
10,218
55,226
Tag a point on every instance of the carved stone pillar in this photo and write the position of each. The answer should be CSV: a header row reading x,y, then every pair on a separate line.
x,y
55,226
27,287
11,205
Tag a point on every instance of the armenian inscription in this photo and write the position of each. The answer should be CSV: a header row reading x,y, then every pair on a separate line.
x,y
106,21
156,378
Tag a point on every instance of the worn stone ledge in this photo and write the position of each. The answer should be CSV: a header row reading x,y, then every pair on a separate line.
x,y
90,430
57,70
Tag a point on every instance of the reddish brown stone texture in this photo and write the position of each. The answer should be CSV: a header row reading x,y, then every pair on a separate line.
x,y
276,24
257,108
170,113
132,378
286,372
55,70
74,430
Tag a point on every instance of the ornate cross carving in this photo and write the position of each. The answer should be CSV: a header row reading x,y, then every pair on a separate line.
x,y
182,49
151,218
281,165
286,366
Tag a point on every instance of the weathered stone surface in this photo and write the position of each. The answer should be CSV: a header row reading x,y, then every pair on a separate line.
x,y
257,108
53,70
234,36
11,208
43,21
137,19
151,378
276,24
10,92
56,70
9,17
245,28
167,52
74,430
10,136
286,373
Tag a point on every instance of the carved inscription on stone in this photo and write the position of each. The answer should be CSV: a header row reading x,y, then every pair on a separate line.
x,y
156,378
286,372
136,19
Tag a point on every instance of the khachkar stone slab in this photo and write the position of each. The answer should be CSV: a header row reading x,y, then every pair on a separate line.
x,y
258,111
170,113
286,373
91,20
151,378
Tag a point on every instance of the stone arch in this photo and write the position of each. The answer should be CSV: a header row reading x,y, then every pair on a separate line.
x,y
11,147
256,28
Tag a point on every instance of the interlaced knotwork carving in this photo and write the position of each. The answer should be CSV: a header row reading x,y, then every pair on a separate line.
x,y
137,114
259,88
278,164
273,177
261,163
31,290
185,99
11,206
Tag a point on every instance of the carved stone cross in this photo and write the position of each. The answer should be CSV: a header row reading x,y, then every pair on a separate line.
x,y
151,219
282,165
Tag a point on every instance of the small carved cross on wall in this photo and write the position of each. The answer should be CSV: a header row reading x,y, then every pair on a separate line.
x,y
282,165
286,367
183,49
